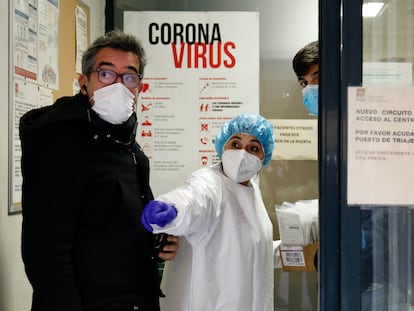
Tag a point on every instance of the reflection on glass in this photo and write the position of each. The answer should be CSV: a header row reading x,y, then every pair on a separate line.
x,y
387,232
386,252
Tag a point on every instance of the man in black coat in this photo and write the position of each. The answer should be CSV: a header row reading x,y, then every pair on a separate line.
x,y
85,183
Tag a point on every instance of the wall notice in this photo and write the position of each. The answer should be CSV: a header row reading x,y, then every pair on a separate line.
x,y
380,145
295,139
203,69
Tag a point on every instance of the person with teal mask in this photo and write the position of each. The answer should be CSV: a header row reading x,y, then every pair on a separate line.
x,y
306,67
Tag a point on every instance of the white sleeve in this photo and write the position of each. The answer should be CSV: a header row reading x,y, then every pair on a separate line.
x,y
198,206
276,254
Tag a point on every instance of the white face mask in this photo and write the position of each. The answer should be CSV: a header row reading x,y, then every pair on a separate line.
x,y
113,103
239,165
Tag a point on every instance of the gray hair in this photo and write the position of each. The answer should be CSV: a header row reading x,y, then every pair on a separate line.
x,y
118,40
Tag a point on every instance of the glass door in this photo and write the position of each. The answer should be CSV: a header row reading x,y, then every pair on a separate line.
x,y
366,150
285,27
387,229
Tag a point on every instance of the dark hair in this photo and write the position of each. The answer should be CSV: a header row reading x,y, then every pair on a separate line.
x,y
305,58
117,40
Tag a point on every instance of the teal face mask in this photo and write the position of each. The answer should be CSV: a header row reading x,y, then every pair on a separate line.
x,y
310,98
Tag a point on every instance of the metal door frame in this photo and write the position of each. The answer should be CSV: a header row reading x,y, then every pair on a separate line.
x,y
340,66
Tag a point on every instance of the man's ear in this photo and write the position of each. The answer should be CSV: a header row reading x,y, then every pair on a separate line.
x,y
82,82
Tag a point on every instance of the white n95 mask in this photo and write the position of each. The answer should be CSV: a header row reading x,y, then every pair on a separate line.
x,y
239,165
113,103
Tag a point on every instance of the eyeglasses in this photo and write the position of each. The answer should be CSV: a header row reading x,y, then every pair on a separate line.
x,y
106,76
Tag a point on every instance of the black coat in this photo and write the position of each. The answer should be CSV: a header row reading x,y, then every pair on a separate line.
x,y
85,183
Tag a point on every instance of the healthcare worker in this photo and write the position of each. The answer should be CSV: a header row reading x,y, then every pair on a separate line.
x,y
226,258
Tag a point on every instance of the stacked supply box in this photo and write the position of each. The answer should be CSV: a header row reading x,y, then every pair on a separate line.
x,y
298,229
299,258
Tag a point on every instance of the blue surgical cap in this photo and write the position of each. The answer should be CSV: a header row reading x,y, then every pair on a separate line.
x,y
252,124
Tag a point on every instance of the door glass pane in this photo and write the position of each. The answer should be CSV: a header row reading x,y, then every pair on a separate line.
x,y
387,231
386,266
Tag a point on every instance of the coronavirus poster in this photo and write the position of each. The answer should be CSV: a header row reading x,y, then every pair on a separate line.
x,y
202,69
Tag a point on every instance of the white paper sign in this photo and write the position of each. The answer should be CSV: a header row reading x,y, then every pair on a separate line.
x,y
380,145
295,139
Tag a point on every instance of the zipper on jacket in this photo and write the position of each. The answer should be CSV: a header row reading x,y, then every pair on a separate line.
x,y
133,157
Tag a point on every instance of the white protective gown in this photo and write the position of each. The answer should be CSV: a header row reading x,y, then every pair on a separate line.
x,y
225,261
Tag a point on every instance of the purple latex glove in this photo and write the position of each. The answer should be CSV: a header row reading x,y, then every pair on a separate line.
x,y
158,213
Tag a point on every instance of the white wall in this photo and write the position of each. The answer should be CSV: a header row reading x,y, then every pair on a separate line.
x,y
97,16
15,291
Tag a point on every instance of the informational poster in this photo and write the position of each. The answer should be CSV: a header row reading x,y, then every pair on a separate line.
x,y
45,96
48,43
380,145
36,41
25,38
34,73
203,69
27,96
81,36
295,139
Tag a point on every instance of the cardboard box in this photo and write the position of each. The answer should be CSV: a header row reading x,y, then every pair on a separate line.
x,y
298,258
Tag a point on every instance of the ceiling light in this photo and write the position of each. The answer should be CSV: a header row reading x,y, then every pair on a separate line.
x,y
371,9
